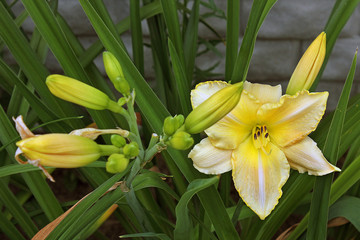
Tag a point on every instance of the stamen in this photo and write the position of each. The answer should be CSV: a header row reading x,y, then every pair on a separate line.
x,y
261,136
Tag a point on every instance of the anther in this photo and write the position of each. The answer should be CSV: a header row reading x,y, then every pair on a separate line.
x,y
261,129
255,137
266,135
258,134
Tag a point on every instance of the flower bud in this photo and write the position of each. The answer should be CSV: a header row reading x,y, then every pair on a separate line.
x,y
60,150
80,93
118,141
171,124
131,150
116,163
213,109
309,66
179,120
122,86
114,71
181,140
122,101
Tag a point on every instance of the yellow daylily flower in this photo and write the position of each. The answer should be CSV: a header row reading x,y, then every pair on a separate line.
x,y
260,139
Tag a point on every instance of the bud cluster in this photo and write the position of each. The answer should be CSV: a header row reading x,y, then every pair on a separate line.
x,y
175,135
118,162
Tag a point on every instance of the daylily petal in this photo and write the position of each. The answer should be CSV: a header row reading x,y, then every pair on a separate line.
x,y
234,128
209,159
293,117
263,92
228,133
259,175
305,156
204,90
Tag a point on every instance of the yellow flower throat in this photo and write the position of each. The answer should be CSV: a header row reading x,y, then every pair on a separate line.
x,y
260,137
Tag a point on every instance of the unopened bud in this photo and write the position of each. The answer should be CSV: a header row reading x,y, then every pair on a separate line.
x,y
131,150
213,109
116,163
309,66
115,73
59,150
122,86
118,141
181,140
122,101
171,124
80,93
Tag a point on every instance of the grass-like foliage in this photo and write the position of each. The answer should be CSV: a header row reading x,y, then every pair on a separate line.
x,y
143,174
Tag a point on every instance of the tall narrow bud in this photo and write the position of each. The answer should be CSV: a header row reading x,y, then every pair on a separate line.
x,y
115,73
80,93
309,66
59,150
213,109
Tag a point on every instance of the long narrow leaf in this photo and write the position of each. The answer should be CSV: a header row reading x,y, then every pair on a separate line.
x,y
184,228
259,11
232,36
341,185
339,16
317,228
183,88
136,35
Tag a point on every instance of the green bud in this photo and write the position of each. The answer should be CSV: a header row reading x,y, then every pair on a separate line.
x,y
115,73
179,120
171,124
118,141
131,150
181,140
122,86
213,109
122,101
116,163
112,66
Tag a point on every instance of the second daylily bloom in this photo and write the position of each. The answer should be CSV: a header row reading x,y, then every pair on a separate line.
x,y
260,139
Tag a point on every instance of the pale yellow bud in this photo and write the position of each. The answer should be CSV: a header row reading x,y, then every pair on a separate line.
x,y
213,109
62,150
80,93
309,66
